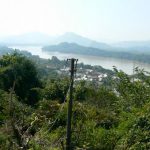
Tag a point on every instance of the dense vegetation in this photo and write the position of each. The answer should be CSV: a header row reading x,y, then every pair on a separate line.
x,y
78,49
33,102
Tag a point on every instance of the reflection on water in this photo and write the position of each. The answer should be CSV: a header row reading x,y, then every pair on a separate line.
x,y
125,65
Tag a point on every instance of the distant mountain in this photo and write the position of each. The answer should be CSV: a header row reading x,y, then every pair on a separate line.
x,y
34,38
71,37
78,49
66,47
133,46
37,38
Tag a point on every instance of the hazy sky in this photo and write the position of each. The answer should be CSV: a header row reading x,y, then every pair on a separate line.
x,y
98,19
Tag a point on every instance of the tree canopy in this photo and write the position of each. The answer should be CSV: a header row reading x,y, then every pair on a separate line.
x,y
18,71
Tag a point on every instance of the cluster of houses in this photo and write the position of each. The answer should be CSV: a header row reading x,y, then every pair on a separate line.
x,y
86,74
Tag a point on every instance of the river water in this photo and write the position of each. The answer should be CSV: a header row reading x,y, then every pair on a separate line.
x,y
106,62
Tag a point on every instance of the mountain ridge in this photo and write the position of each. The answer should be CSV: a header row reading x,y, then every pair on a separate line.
x,y
82,50
41,39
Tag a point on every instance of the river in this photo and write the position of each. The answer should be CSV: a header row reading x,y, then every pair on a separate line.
x,y
106,62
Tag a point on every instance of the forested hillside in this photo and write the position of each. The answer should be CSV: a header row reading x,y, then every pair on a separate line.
x,y
113,114
74,48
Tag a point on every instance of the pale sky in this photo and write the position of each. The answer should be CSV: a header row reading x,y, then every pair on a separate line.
x,y
113,20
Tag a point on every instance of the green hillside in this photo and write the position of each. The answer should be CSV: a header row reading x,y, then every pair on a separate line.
x,y
74,48
111,114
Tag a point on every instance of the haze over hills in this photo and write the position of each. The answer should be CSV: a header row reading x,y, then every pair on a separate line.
x,y
136,46
78,49
34,38
71,37
37,38
133,44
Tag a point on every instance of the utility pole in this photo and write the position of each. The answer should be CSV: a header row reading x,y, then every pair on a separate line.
x,y
73,66
11,97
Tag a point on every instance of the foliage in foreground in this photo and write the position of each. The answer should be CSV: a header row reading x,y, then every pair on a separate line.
x,y
103,119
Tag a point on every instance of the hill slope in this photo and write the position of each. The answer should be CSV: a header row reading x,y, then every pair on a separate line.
x,y
78,49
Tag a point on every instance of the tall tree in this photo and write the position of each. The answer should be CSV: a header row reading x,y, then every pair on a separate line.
x,y
16,70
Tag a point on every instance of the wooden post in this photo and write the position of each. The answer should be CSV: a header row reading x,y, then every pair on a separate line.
x,y
69,115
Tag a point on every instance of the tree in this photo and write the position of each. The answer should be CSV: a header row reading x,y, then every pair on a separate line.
x,y
132,93
56,89
20,72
